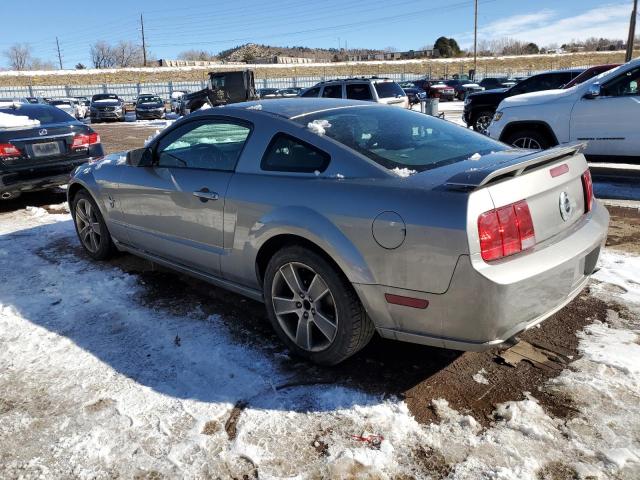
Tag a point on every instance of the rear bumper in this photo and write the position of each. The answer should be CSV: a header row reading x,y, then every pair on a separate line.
x,y
40,178
97,116
484,308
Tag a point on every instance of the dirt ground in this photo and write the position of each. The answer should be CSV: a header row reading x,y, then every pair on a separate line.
x,y
416,373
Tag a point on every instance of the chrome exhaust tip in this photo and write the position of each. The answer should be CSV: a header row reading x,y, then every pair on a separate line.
x,y
6,195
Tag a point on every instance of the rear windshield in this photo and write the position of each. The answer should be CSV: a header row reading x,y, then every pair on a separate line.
x,y
388,89
399,138
43,113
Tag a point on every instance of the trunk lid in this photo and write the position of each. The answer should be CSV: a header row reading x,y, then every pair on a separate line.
x,y
549,181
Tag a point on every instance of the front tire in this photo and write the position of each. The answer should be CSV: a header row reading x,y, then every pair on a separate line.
x,y
313,307
91,228
482,121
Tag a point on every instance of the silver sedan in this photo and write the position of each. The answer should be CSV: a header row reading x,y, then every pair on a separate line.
x,y
347,218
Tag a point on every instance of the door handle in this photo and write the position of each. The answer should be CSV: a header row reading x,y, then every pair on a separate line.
x,y
205,195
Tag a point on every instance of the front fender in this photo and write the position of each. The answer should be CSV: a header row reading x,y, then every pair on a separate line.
x,y
316,228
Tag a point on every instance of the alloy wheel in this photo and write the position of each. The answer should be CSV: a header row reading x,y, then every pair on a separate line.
x,y
527,143
482,123
89,229
304,306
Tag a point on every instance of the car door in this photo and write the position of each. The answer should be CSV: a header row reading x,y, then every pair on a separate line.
x,y
610,122
175,208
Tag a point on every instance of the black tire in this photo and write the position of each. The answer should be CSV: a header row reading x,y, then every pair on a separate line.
x,y
105,248
529,139
354,328
481,120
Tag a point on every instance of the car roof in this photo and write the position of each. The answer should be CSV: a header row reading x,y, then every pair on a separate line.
x,y
297,107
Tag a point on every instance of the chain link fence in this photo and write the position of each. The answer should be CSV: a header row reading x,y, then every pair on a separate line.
x,y
129,91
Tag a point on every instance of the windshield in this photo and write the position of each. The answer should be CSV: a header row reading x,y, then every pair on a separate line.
x,y
104,96
399,138
388,89
60,102
149,100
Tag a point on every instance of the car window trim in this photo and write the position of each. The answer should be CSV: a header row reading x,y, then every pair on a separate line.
x,y
272,142
237,121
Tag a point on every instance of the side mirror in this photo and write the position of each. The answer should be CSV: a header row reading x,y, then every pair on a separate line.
x,y
140,157
593,91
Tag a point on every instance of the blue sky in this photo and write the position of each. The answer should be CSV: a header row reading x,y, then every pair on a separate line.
x,y
172,27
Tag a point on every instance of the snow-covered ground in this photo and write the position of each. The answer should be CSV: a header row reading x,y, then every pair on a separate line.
x,y
95,383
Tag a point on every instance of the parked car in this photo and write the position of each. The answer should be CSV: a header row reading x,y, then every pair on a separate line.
x,y
39,146
288,92
149,107
107,106
414,94
346,218
266,92
33,100
223,88
603,112
175,99
87,104
480,107
71,106
491,83
374,89
589,73
463,88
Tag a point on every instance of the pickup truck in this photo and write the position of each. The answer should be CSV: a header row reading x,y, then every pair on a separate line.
x,y
223,88
604,112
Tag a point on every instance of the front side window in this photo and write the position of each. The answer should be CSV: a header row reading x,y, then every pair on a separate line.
x,y
359,91
332,91
288,154
623,85
211,145
399,138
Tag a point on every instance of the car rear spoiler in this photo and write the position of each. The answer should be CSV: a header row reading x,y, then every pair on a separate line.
x,y
476,178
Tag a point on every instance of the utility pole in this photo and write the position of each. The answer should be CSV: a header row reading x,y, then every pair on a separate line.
x,y
59,54
144,46
475,38
632,31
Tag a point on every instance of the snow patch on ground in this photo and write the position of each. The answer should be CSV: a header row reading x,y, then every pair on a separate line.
x,y
95,384
480,377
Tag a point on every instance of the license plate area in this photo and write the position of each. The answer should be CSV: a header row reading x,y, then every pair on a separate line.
x,y
48,149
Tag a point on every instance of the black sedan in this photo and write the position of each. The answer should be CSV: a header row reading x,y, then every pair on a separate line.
x,y
39,147
149,107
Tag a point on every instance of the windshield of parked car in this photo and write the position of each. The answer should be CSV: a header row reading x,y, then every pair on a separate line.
x,y
149,99
104,96
388,90
400,138
60,102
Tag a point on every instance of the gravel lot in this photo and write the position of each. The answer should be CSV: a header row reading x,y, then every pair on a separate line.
x,y
58,432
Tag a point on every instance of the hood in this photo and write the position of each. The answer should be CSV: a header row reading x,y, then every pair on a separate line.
x,y
536,98
491,96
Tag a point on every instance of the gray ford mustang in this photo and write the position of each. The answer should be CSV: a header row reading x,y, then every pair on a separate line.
x,y
348,217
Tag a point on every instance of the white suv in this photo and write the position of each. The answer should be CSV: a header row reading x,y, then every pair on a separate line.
x,y
603,111
379,90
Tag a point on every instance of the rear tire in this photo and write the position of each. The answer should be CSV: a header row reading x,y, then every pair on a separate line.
x,y
528,139
91,228
327,329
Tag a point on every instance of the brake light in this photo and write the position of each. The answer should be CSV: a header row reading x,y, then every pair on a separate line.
x,y
83,141
506,231
9,150
587,186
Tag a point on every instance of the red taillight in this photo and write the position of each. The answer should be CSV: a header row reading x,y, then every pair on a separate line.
x,y
8,150
83,141
587,186
506,231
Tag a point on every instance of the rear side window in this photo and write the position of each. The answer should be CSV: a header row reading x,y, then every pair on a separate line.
x,y
359,91
332,91
288,154
312,92
389,90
